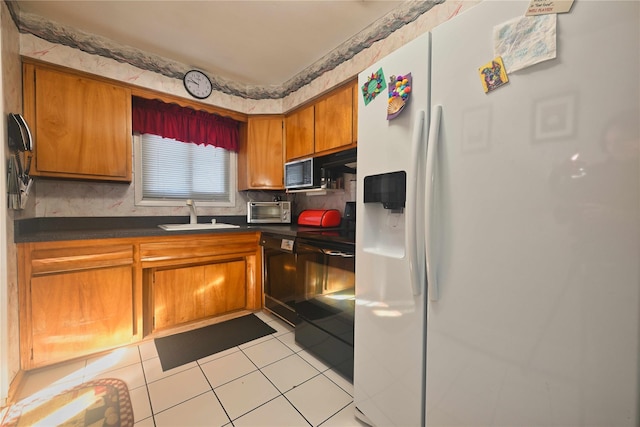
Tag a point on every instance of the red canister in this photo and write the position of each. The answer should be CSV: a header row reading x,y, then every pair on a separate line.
x,y
320,217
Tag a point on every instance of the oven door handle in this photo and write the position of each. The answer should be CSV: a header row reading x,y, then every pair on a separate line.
x,y
331,252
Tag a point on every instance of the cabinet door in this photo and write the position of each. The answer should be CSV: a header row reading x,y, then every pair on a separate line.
x,y
299,133
177,296
265,153
77,313
227,290
356,94
334,120
182,295
82,126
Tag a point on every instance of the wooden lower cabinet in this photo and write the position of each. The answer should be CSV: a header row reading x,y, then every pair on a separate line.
x,y
82,297
76,298
181,295
75,314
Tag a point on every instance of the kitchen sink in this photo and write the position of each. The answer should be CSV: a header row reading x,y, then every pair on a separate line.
x,y
203,226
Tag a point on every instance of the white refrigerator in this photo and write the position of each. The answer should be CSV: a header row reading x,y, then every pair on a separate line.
x,y
390,307
527,206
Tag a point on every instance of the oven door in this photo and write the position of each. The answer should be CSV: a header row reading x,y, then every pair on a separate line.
x,y
279,276
325,301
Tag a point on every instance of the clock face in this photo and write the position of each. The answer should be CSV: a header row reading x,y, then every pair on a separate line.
x,y
197,84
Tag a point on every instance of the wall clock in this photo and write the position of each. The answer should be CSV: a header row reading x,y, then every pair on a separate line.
x,y
197,84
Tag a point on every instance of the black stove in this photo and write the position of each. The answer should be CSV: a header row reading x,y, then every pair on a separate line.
x,y
342,235
325,295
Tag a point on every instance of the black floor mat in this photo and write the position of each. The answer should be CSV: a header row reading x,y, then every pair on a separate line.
x,y
178,349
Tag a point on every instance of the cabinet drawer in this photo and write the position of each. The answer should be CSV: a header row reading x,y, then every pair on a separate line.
x,y
176,251
58,260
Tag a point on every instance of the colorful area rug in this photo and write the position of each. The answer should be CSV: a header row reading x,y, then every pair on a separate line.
x,y
103,402
178,349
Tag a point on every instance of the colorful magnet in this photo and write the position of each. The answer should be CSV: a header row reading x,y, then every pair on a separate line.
x,y
493,75
399,93
373,86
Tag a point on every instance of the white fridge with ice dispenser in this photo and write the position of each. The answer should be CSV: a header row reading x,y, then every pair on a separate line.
x,y
390,275
530,200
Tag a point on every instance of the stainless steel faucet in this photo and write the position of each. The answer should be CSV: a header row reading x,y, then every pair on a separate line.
x,y
193,215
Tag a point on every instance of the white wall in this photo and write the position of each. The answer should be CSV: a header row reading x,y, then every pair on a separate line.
x,y
11,91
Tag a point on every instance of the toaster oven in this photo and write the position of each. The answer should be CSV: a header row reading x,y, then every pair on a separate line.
x,y
269,212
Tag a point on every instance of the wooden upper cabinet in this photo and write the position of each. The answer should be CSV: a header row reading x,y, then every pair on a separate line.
x,y
81,126
300,133
334,120
356,94
261,155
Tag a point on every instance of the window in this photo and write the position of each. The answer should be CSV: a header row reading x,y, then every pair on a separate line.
x,y
168,172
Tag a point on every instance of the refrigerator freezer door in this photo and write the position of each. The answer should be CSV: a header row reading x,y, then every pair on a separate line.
x,y
390,308
538,196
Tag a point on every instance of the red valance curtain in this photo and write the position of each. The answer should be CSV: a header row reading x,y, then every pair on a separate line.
x,y
183,124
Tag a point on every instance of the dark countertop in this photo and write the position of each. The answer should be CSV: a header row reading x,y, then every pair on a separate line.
x,y
84,228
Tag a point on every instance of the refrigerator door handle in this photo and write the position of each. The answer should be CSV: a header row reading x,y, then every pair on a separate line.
x,y
412,214
432,150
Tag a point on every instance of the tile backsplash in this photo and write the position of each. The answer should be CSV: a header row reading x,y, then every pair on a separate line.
x,y
79,198
334,199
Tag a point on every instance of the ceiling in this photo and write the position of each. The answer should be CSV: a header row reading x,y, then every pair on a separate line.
x,y
264,43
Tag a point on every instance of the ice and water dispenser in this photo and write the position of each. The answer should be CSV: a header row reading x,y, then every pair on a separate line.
x,y
385,196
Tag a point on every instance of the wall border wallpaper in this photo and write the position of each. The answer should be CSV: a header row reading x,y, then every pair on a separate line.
x,y
96,45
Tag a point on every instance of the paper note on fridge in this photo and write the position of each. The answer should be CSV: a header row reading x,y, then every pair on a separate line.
x,y
525,41
541,7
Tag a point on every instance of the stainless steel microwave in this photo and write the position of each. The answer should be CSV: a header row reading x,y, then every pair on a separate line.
x,y
301,174
269,212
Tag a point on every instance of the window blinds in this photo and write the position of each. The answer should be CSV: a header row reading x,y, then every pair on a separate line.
x,y
175,170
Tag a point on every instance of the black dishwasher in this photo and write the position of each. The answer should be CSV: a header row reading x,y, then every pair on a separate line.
x,y
279,275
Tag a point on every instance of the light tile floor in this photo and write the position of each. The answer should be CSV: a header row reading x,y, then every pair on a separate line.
x,y
271,381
